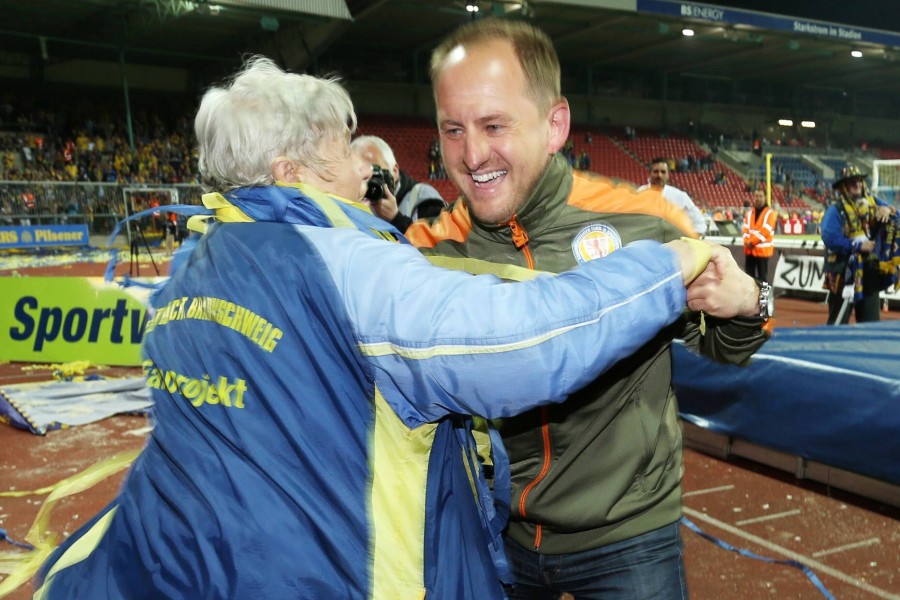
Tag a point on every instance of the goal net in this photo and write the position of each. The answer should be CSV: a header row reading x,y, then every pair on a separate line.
x,y
886,180
137,199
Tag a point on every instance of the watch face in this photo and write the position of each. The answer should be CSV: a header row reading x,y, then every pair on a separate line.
x,y
766,300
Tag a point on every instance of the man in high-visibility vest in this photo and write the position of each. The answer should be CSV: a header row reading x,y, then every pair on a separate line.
x,y
758,231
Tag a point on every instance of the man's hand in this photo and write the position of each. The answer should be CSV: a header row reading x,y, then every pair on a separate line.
x,y
386,208
723,290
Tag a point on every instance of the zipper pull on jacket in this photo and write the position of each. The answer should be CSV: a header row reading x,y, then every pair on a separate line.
x,y
519,235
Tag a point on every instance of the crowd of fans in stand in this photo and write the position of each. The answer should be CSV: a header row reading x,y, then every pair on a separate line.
x,y
90,145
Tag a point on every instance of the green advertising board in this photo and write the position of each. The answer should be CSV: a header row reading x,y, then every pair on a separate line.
x,y
64,319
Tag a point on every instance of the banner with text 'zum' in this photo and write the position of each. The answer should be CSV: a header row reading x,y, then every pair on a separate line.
x,y
64,319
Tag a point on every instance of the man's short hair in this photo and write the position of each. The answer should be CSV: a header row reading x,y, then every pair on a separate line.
x,y
660,159
383,147
262,113
532,46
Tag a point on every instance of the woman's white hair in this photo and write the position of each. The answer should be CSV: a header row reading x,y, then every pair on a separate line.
x,y
265,113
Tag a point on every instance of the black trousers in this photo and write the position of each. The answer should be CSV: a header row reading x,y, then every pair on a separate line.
x,y
867,309
757,267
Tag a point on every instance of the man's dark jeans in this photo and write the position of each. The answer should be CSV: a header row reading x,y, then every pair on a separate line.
x,y
649,566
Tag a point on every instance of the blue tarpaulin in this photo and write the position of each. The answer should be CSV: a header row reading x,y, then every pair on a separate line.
x,y
42,407
827,394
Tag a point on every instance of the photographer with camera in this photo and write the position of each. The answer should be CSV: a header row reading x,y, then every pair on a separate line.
x,y
391,193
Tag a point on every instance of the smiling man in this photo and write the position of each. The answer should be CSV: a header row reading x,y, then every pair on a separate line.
x,y
596,483
499,167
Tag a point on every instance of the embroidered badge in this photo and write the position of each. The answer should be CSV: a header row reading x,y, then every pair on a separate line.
x,y
595,241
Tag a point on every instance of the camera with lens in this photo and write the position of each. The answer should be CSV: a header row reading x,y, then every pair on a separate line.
x,y
375,186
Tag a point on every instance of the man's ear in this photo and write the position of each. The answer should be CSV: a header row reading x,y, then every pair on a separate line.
x,y
560,119
286,170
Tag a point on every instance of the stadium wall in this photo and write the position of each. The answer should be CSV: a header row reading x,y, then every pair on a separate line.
x,y
103,73
93,73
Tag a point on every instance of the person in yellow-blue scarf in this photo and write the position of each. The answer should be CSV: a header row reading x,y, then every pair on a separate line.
x,y
311,374
862,250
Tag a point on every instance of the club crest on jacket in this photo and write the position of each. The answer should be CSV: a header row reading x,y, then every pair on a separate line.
x,y
595,241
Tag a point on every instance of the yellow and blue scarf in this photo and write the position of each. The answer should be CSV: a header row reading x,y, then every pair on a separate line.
x,y
297,204
887,245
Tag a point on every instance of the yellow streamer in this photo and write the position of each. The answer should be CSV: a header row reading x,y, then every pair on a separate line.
x,y
22,566
69,369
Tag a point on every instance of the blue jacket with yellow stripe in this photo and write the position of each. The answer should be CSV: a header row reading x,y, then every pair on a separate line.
x,y
309,382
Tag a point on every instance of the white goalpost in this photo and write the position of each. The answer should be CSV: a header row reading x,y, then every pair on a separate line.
x,y
885,187
139,198
886,180
153,228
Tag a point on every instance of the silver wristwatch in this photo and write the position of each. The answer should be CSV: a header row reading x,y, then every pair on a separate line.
x,y
766,300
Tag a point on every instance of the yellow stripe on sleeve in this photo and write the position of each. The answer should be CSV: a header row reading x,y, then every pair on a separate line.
x,y
400,458
78,551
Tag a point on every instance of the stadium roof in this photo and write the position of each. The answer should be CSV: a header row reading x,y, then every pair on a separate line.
x,y
317,35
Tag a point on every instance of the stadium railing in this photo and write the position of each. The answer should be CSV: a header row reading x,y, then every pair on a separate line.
x,y
97,205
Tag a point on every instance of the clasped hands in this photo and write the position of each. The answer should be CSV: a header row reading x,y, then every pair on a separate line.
x,y
715,283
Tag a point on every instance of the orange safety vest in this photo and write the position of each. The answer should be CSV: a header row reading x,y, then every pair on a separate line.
x,y
758,231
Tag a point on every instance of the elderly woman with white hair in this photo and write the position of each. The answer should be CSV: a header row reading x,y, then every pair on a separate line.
x,y
311,371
